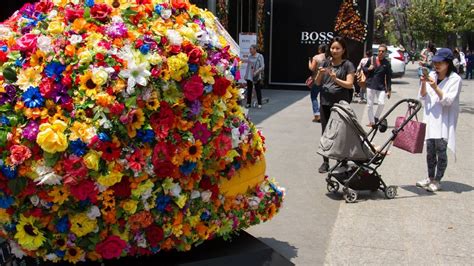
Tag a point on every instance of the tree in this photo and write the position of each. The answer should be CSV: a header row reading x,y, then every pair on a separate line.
x,y
349,23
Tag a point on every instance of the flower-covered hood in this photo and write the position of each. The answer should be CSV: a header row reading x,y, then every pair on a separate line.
x,y
121,133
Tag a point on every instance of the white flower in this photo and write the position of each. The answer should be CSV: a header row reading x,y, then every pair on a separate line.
x,y
195,194
254,202
34,200
93,212
44,44
166,13
5,32
174,37
16,250
47,176
51,256
75,39
202,37
206,196
136,74
175,190
116,19
52,14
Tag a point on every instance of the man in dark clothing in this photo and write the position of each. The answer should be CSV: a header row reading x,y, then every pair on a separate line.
x,y
379,83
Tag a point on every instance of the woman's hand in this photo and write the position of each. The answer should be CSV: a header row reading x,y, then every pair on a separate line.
x,y
332,74
429,80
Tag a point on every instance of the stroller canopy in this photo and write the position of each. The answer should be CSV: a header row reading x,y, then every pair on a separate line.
x,y
344,138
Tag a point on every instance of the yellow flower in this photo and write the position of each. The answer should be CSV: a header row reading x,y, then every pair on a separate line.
x,y
85,57
59,194
31,76
88,85
155,59
111,179
82,131
4,216
130,206
92,159
138,120
37,58
178,66
188,33
51,137
81,225
74,254
93,39
56,27
144,186
193,151
100,76
28,235
206,74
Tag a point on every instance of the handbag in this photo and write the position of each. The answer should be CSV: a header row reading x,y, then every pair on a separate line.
x,y
361,78
412,136
309,82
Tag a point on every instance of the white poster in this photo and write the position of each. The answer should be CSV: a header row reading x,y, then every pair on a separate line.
x,y
246,39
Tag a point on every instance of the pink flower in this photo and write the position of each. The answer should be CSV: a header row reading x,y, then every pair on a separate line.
x,y
27,42
193,88
220,86
19,154
100,12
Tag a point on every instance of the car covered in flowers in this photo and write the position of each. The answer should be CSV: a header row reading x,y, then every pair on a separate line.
x,y
121,133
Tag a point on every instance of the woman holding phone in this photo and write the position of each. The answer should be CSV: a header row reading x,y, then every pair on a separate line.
x,y
335,79
440,92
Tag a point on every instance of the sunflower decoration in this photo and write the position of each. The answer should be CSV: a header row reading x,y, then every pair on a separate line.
x,y
121,133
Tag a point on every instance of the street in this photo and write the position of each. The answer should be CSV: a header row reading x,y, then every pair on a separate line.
x,y
315,228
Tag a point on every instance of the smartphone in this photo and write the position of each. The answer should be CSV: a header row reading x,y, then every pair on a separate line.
x,y
425,72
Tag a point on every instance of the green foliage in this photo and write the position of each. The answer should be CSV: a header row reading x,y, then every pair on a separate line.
x,y
436,20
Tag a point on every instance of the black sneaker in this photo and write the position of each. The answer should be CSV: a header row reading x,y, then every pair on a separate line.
x,y
324,168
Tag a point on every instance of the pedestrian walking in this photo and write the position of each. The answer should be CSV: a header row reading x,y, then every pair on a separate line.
x,y
440,93
379,83
359,71
313,64
469,64
336,78
426,58
254,75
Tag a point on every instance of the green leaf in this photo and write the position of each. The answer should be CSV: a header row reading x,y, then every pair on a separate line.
x,y
10,74
3,138
129,12
5,108
131,102
50,158
17,185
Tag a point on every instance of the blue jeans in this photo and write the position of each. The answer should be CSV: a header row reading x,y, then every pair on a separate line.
x,y
314,99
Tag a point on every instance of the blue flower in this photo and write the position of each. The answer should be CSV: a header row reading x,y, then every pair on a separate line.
x,y
62,226
146,135
187,168
6,202
33,98
162,202
237,165
158,9
19,62
4,121
208,89
3,48
274,187
104,137
205,215
60,253
89,3
10,227
8,172
78,147
144,49
54,70
193,68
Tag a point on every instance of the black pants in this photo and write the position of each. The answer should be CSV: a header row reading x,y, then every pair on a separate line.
x,y
258,89
324,112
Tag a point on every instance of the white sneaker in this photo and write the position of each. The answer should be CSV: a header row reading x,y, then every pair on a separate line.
x,y
424,183
434,186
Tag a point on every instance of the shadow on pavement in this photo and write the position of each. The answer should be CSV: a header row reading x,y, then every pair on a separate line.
x,y
286,250
277,101
399,81
456,187
465,108
420,192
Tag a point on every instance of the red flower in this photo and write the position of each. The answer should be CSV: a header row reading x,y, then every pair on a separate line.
x,y
222,144
84,190
206,184
44,6
180,4
75,169
220,86
27,42
46,87
193,88
194,53
74,12
117,108
100,12
164,169
122,190
162,121
136,161
154,234
175,49
3,57
110,150
19,154
111,247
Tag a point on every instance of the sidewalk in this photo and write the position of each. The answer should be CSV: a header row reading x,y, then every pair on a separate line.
x,y
417,227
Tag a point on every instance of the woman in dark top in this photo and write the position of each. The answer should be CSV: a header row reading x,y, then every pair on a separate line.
x,y
336,79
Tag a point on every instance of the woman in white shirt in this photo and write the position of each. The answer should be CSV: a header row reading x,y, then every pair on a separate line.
x,y
440,93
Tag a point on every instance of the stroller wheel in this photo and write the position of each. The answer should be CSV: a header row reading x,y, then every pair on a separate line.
x,y
391,192
350,196
333,186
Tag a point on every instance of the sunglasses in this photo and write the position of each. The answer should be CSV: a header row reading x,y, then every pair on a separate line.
x,y
382,51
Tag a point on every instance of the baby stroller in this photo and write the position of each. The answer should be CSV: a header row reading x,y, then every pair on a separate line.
x,y
346,141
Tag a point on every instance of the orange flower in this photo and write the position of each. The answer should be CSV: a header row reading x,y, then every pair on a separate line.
x,y
186,230
178,219
140,220
79,24
168,244
70,50
202,230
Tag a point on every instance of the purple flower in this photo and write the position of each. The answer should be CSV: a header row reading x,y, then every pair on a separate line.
x,y
200,132
59,94
195,107
31,131
117,30
9,95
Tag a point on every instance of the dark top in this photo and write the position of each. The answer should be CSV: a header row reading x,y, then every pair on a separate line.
x,y
379,78
331,92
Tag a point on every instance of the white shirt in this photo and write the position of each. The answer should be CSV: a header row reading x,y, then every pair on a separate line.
x,y
441,116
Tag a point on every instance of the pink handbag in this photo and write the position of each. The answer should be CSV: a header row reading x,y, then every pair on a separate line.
x,y
309,82
412,137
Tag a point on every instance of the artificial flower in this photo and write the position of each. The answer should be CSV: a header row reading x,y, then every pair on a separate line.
x,y
51,137
28,234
